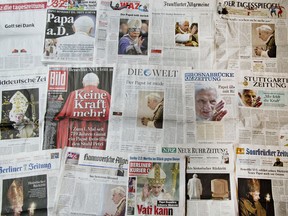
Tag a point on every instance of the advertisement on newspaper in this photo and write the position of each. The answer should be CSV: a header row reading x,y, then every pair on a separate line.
x,y
123,28
182,33
147,109
93,182
258,29
28,182
69,36
22,96
263,109
210,98
78,107
262,177
156,185
21,31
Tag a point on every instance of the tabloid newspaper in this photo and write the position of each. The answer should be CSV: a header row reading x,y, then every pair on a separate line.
x,y
21,32
69,36
210,98
72,4
262,177
122,31
78,107
147,108
210,182
28,182
263,107
92,183
156,185
23,97
251,34
182,33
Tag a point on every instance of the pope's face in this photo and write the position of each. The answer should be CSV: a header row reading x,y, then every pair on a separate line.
x,y
17,209
264,35
156,189
134,33
185,26
255,195
151,104
205,102
116,198
249,98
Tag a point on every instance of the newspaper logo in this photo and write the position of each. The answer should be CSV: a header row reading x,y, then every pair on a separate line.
x,y
240,151
139,168
169,150
58,80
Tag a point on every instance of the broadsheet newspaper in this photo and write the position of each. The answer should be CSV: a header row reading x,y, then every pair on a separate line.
x,y
210,98
210,184
147,108
78,107
262,180
21,32
69,36
92,182
156,185
263,109
182,33
122,30
28,182
252,35
22,97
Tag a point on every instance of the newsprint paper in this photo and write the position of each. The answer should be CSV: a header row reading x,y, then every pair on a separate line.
x,y
262,103
22,99
69,36
22,24
156,185
262,177
210,182
147,109
92,183
210,98
78,105
252,35
28,182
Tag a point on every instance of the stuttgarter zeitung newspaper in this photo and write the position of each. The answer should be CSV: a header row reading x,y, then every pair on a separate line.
x,y
21,31
262,177
263,107
122,31
156,185
28,182
210,182
147,108
210,98
72,4
251,34
182,33
23,98
92,183
78,107
69,36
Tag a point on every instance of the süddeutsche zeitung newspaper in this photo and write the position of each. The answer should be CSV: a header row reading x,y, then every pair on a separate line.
x,y
262,178
28,182
92,182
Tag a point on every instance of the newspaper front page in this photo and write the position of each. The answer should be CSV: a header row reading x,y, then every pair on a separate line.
x,y
156,185
182,33
210,98
69,36
210,182
263,107
28,182
21,32
92,182
78,107
262,180
23,98
147,108
252,35
123,31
